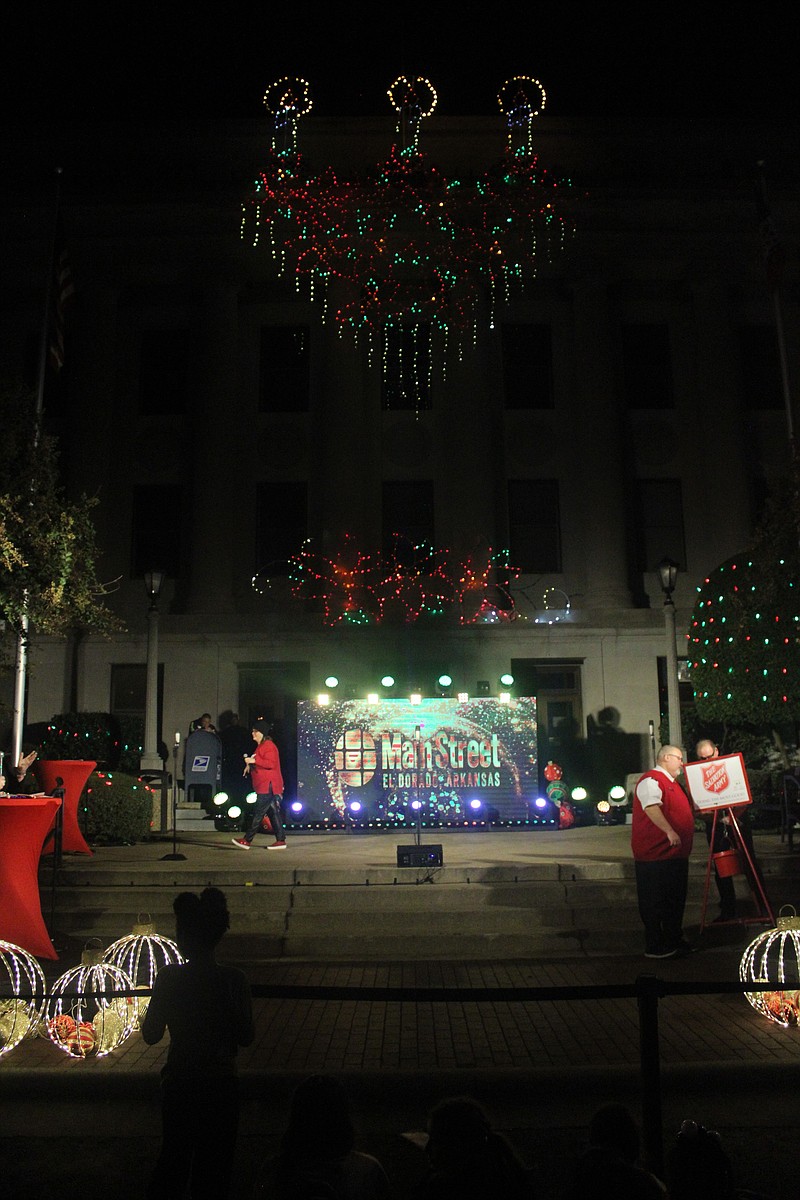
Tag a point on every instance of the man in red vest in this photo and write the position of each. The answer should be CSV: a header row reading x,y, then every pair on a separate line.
x,y
661,840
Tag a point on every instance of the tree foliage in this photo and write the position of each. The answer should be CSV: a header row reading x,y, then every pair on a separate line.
x,y
48,549
744,638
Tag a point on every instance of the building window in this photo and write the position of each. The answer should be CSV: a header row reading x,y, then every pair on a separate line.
x,y
760,367
527,366
129,701
534,525
155,538
406,380
281,524
408,511
284,369
646,366
661,535
163,372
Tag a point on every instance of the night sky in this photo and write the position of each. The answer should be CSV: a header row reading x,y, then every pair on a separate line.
x,y
178,61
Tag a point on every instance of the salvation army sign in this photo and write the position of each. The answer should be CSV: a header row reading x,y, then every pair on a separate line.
x,y
457,759
718,783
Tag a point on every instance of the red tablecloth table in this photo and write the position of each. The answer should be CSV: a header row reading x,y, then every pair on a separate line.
x,y
24,824
74,774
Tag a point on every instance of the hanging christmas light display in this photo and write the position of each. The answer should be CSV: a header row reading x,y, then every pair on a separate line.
x,y
407,582
407,247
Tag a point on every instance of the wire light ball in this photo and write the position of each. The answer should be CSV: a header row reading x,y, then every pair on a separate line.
x,y
141,955
774,956
80,1020
22,991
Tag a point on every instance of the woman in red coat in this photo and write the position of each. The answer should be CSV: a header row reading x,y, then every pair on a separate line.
x,y
264,768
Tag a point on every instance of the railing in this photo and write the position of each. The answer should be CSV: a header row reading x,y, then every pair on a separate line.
x,y
647,990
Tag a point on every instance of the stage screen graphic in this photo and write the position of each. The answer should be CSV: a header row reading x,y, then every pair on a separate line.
x,y
462,761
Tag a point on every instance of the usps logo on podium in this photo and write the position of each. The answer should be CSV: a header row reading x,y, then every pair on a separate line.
x,y
200,762
721,783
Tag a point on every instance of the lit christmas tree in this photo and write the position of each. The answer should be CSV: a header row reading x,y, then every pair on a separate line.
x,y
744,638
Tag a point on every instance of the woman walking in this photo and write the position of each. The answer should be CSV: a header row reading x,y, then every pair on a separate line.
x,y
264,768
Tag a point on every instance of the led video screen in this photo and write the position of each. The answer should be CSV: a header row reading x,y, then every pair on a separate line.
x,y
385,763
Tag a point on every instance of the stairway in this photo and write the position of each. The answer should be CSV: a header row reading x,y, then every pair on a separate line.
x,y
544,910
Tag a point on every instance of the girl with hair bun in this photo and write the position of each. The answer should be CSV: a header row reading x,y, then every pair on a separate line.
x,y
207,1008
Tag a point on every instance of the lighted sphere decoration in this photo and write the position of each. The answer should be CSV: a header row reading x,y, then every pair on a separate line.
x,y
774,957
80,1020
141,954
22,989
552,771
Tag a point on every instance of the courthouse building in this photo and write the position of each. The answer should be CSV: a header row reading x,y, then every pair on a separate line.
x,y
626,407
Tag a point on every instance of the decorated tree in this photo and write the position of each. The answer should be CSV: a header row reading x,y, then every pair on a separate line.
x,y
48,552
744,638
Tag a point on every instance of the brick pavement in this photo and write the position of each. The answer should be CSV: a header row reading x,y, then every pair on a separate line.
x,y
328,1034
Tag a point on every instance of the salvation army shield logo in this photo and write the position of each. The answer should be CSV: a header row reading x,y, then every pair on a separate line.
x,y
355,758
715,777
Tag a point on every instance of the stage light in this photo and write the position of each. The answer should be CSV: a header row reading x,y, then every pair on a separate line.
x,y
579,793
617,794
475,804
415,698
251,798
540,802
323,699
296,806
234,812
387,681
355,806
221,798
507,680
445,681
373,698
416,804
331,682
504,697
603,807
463,697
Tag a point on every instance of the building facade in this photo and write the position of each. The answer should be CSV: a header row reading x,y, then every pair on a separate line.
x,y
626,407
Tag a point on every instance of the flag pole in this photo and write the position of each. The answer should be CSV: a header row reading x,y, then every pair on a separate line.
x,y
21,664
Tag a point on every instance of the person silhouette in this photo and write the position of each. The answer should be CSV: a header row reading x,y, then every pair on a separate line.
x,y
207,1009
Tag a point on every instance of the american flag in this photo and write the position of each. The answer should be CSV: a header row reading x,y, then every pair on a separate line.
x,y
62,290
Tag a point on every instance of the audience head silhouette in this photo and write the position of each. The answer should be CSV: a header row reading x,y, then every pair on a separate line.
x,y
200,921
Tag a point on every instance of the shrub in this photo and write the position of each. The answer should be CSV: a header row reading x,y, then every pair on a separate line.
x,y
116,809
83,736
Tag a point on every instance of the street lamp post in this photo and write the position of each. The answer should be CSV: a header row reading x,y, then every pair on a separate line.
x,y
668,577
151,759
